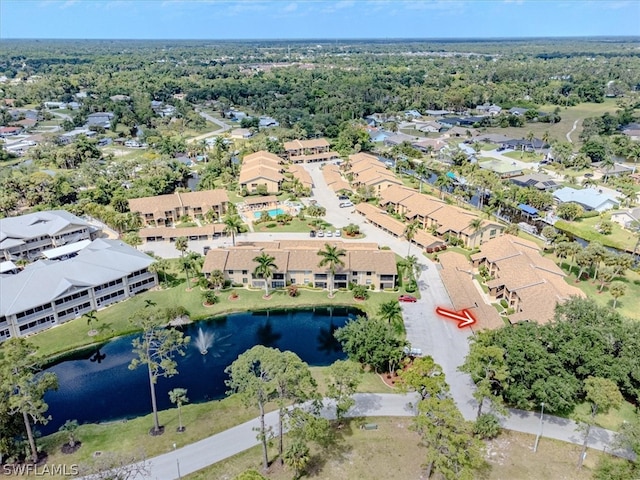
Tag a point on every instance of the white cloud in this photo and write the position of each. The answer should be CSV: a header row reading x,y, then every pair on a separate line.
x,y
292,7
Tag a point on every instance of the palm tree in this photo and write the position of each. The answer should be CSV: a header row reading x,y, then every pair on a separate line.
x,y
617,290
160,266
232,225
178,396
265,269
443,182
411,267
607,165
530,138
216,278
475,225
392,313
182,245
422,172
91,317
331,257
410,232
545,140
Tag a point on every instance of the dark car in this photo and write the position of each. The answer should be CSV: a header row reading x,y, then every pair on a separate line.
x,y
312,233
407,298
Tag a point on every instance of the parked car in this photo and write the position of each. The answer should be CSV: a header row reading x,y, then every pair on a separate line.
x,y
407,298
328,234
343,197
320,233
346,204
337,233
312,233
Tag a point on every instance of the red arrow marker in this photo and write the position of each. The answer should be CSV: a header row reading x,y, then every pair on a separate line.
x,y
463,317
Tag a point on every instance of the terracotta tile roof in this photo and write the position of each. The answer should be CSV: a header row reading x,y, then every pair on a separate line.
x,y
215,259
261,156
374,177
301,144
457,280
334,179
537,281
258,172
292,256
301,174
396,194
162,203
382,261
362,156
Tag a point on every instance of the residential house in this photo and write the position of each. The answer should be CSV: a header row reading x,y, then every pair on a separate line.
x,y
531,284
489,109
412,114
540,181
616,170
399,138
503,168
588,198
10,131
165,210
429,145
376,135
27,236
261,168
427,127
459,132
305,151
241,133
104,272
436,113
297,264
268,122
629,218
518,111
99,119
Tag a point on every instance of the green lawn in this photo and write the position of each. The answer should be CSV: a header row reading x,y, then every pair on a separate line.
x,y
527,157
627,305
586,228
558,131
296,225
113,320
612,420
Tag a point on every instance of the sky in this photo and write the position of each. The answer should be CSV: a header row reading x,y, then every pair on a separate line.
x,y
284,19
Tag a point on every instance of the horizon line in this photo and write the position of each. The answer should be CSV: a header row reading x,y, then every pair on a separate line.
x,y
332,39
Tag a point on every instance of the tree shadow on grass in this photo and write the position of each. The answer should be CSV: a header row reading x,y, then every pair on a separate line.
x,y
335,449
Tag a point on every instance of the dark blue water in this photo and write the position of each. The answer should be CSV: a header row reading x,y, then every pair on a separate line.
x,y
100,388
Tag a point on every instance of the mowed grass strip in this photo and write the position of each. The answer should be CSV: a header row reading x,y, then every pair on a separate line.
x,y
393,451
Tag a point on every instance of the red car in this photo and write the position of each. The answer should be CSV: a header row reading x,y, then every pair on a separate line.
x,y
407,298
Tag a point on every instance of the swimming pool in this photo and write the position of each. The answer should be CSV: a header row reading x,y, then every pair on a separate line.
x,y
273,212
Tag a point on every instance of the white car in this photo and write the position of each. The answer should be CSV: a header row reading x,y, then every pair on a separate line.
x,y
328,234
338,233
346,204
320,233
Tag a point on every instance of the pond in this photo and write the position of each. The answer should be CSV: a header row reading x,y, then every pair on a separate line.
x,y
99,387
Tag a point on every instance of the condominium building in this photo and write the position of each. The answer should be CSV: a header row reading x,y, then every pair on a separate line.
x,y
307,151
297,264
531,284
165,210
48,293
27,236
261,169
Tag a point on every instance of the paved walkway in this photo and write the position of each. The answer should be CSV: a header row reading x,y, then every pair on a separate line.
x,y
196,456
